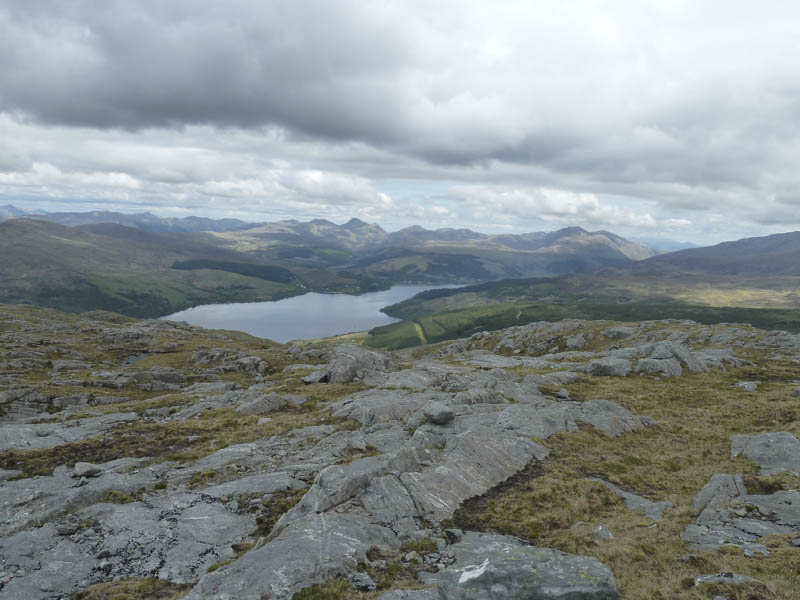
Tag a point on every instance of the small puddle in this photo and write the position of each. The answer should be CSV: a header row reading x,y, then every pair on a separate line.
x,y
134,358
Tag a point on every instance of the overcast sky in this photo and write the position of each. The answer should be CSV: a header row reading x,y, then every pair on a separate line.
x,y
647,118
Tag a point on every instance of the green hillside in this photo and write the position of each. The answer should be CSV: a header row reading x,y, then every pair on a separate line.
x,y
116,268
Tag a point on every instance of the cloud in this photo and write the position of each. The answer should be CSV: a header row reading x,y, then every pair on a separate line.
x,y
547,205
615,114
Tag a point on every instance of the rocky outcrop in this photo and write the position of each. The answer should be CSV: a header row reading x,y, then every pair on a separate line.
x,y
350,363
491,566
258,486
773,452
732,516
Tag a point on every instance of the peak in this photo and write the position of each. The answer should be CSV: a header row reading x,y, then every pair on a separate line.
x,y
354,222
570,231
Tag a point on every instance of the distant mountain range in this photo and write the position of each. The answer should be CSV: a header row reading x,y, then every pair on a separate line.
x,y
145,265
356,235
777,254
144,221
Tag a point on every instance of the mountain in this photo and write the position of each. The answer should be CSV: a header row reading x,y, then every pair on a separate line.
x,y
143,265
772,255
353,236
9,211
664,245
113,267
417,254
569,240
144,221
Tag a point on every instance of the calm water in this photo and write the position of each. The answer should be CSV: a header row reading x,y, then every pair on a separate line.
x,y
301,317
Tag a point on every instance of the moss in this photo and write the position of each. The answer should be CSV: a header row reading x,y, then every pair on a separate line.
x,y
352,454
421,546
115,497
181,441
218,565
337,589
133,589
272,510
696,415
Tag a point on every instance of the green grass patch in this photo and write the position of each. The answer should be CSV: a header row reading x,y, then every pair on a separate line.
x,y
133,589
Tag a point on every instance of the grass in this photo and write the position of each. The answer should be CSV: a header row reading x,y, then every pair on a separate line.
x,y
449,314
696,414
180,441
269,512
133,589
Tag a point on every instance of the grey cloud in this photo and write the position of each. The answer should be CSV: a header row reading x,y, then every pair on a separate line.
x,y
682,109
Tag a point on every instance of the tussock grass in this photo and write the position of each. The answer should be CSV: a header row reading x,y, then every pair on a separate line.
x,y
180,441
696,414
133,589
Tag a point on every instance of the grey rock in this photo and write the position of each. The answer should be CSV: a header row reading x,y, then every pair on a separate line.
x,y
554,378
24,502
727,578
427,594
617,333
260,404
474,462
669,367
375,406
610,367
69,365
46,435
773,452
653,510
601,532
748,386
575,342
310,550
544,418
438,413
85,469
741,520
349,363
268,483
297,367
491,566
362,582
719,491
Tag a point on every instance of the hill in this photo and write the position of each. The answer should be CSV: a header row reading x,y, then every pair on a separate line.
x,y
143,221
117,268
772,255
754,280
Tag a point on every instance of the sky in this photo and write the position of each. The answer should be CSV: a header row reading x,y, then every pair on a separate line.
x,y
660,119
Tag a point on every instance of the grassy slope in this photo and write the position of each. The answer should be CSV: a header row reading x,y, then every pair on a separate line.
x,y
696,414
118,269
448,314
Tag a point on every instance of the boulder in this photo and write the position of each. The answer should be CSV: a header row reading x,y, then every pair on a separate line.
x,y
741,520
774,452
438,413
261,404
489,566
349,363
609,367
748,386
85,469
